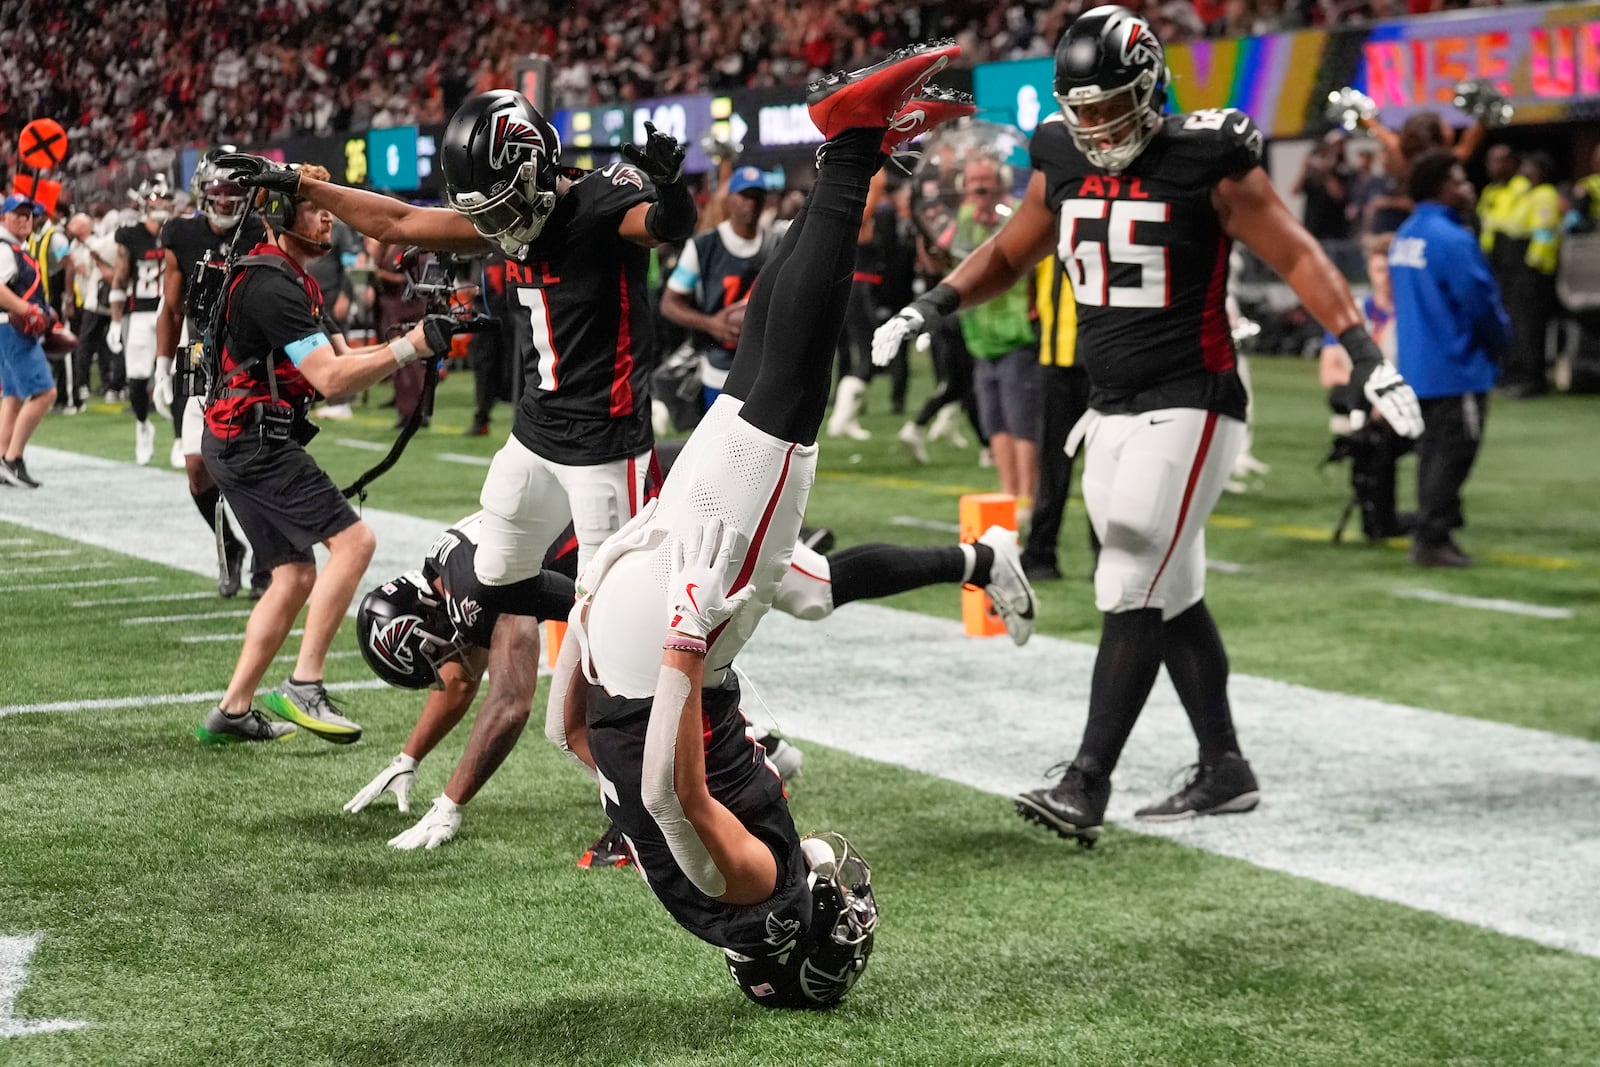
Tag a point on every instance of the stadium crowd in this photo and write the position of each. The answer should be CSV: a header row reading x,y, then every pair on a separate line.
x,y
127,76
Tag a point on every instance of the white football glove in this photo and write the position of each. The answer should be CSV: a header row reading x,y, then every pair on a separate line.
x,y
161,392
114,337
888,339
635,533
397,778
700,565
434,828
1389,395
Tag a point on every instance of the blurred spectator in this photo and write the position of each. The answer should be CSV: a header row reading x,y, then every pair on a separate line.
x,y
397,307
1325,183
1499,215
1451,330
1365,186
1534,241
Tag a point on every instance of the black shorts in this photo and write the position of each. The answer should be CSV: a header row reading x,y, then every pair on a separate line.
x,y
284,502
740,778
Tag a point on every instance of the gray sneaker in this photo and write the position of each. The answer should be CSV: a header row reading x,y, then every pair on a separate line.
x,y
309,705
220,728
1009,589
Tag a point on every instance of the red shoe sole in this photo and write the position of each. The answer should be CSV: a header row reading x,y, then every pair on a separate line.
x,y
871,96
922,113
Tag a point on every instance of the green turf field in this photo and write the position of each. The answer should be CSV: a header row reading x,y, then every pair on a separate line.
x,y
202,907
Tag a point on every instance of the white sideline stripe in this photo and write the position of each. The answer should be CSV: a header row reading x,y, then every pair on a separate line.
x,y
146,620
1478,821
356,442
40,553
153,598
1509,607
64,567
343,653
161,699
459,457
94,583
9,541
15,951
925,524
200,639
1222,566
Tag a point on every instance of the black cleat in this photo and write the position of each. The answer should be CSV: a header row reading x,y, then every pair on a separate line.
x,y
260,582
818,539
610,851
1226,787
15,472
1075,807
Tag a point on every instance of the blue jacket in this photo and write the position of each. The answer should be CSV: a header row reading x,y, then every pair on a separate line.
x,y
1451,325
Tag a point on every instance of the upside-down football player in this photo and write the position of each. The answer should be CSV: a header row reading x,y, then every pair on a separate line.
x,y
644,697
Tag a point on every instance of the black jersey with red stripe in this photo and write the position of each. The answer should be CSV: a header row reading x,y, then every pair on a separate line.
x,y
1148,261
145,260
580,314
451,566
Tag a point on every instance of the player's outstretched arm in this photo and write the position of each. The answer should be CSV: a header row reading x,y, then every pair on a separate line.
x,y
513,676
393,221
992,269
711,846
1253,214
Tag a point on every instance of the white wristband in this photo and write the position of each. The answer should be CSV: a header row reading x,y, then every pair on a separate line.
x,y
405,353
119,296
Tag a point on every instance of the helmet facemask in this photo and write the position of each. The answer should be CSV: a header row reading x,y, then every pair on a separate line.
x,y
223,203
1111,127
514,217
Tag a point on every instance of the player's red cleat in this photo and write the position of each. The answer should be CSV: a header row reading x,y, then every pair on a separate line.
x,y
610,851
929,108
872,95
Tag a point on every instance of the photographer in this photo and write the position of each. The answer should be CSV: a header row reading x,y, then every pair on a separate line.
x,y
273,351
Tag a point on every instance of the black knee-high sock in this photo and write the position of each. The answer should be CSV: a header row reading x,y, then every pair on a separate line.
x,y
867,572
139,395
1198,666
811,291
207,501
1124,671
747,357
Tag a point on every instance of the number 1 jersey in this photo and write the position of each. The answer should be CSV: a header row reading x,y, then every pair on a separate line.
x,y
1148,261
581,317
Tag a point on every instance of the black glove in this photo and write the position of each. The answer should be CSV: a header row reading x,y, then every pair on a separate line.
x,y
256,172
661,159
437,331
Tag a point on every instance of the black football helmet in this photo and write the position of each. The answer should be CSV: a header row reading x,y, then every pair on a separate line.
x,y
1111,81
405,634
154,199
500,160
818,967
221,199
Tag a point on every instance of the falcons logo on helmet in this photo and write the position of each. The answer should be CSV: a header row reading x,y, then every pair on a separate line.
x,y
1140,45
510,137
390,642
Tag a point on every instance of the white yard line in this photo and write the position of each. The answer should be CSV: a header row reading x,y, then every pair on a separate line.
x,y
157,700
51,570
7,542
1222,566
358,443
39,553
153,598
458,457
1507,607
146,620
915,523
91,584
201,639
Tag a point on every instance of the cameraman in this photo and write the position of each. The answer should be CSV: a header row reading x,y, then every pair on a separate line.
x,y
274,351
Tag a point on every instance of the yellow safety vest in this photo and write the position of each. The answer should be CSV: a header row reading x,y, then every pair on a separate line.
x,y
1591,186
39,249
1058,314
1499,210
1540,217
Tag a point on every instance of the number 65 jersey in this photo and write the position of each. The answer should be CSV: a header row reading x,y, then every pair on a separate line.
x,y
1148,261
